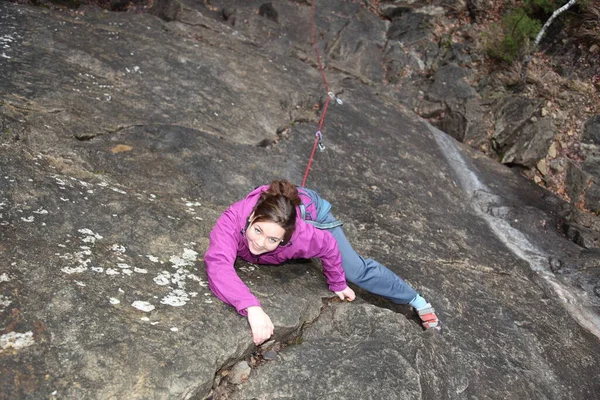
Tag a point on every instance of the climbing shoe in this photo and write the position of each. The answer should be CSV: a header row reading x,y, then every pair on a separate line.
x,y
428,318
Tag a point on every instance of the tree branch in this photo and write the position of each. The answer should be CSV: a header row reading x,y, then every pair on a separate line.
x,y
538,39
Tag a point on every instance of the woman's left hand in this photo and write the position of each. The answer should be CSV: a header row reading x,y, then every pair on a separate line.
x,y
346,294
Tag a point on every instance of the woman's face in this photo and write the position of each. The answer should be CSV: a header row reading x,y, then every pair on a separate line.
x,y
264,236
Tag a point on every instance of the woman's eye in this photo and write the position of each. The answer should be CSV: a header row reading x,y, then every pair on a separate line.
x,y
257,231
273,240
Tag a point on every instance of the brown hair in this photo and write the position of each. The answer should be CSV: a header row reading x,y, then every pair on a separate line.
x,y
278,205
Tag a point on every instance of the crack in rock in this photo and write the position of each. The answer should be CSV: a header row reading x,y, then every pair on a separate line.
x,y
254,355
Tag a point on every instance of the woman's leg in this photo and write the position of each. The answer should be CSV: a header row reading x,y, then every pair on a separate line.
x,y
371,275
375,278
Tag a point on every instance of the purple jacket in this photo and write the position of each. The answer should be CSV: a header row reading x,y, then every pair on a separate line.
x,y
228,241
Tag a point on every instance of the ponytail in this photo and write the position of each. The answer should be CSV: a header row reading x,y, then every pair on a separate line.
x,y
278,204
286,189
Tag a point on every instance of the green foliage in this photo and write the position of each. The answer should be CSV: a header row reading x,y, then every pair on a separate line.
x,y
508,41
446,42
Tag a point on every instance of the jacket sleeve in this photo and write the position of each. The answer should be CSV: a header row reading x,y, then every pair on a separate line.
x,y
324,246
220,259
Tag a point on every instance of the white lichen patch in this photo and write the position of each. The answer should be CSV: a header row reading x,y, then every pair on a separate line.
x,y
28,219
118,190
81,262
114,301
74,270
117,248
4,277
190,255
86,251
16,340
6,39
207,298
143,306
190,205
187,258
179,277
89,236
4,302
59,181
174,329
82,183
200,281
134,69
41,211
78,283
177,280
162,279
176,298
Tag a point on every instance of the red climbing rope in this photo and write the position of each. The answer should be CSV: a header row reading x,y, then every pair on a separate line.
x,y
318,134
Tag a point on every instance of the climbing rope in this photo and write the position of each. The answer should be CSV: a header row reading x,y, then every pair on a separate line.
x,y
318,143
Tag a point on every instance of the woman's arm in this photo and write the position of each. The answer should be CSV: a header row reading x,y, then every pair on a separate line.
x,y
323,245
331,259
220,259
225,282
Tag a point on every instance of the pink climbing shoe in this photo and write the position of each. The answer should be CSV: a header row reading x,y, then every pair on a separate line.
x,y
428,318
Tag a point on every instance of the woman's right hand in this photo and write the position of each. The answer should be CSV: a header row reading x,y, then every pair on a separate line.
x,y
346,294
260,323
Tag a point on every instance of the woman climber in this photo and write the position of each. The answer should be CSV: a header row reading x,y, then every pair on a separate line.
x,y
281,222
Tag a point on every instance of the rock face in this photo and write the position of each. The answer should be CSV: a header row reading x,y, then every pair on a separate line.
x,y
521,134
363,360
460,111
591,163
124,136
